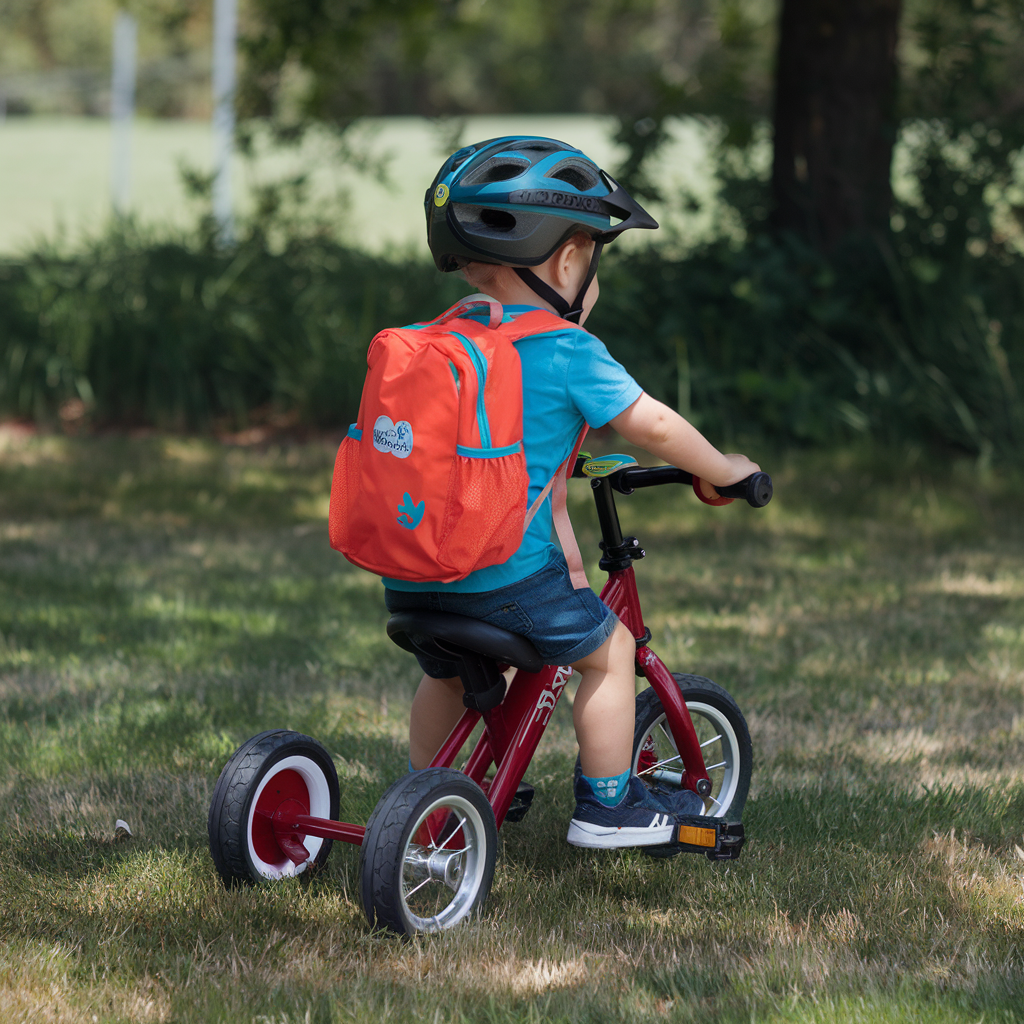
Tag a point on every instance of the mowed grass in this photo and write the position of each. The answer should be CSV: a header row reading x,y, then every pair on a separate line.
x,y
162,599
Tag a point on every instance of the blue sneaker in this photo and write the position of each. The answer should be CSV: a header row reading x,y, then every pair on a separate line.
x,y
678,801
639,819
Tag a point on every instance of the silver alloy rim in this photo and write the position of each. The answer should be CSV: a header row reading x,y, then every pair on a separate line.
x,y
721,755
435,868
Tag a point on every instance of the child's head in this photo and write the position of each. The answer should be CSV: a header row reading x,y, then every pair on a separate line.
x,y
565,270
517,203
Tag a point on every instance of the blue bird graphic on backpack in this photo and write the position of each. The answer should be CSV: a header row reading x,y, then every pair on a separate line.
x,y
411,515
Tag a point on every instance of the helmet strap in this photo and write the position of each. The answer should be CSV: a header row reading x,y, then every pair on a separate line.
x,y
571,312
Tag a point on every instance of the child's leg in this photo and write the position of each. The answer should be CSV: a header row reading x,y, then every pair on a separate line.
x,y
604,710
436,710
613,807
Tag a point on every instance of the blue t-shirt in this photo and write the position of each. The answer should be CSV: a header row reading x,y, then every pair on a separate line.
x,y
568,378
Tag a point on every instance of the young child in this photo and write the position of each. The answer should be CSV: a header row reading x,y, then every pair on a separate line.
x,y
524,220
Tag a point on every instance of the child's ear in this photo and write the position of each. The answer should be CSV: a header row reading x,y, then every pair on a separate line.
x,y
566,263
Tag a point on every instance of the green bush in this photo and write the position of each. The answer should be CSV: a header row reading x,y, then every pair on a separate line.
x,y
773,339
182,334
914,337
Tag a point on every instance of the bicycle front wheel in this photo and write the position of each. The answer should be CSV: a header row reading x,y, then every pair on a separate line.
x,y
723,736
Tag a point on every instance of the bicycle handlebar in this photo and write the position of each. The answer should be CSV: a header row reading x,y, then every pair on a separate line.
x,y
756,489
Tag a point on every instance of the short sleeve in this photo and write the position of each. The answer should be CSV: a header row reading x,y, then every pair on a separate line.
x,y
599,386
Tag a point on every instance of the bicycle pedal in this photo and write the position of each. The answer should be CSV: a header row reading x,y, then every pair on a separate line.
x,y
715,838
520,803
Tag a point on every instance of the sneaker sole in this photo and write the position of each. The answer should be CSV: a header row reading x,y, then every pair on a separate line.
x,y
609,837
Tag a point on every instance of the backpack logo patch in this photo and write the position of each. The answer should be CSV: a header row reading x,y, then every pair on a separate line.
x,y
412,515
395,438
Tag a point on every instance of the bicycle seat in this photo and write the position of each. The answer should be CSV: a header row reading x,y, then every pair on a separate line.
x,y
419,631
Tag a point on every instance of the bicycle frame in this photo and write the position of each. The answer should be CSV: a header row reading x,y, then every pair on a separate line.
x,y
513,729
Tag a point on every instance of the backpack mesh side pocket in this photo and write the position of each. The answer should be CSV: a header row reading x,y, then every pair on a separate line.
x,y
481,527
344,496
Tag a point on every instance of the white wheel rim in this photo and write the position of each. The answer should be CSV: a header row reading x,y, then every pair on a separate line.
x,y
729,773
473,865
319,807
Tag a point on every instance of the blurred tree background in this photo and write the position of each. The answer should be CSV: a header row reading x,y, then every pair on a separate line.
x,y
841,294
55,56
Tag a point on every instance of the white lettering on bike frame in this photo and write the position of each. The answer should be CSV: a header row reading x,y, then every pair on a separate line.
x,y
549,697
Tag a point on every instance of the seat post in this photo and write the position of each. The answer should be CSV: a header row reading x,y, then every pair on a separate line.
x,y
483,683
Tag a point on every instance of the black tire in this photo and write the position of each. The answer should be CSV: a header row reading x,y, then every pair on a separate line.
x,y
721,730
427,859
241,841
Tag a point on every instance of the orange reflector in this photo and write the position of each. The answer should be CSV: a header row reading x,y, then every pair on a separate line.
x,y
696,836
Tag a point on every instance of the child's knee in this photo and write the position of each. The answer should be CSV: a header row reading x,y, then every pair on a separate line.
x,y
616,654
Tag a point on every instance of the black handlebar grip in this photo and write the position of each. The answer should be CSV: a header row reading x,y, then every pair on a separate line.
x,y
756,490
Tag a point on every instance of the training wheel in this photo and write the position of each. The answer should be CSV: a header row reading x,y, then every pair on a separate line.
x,y
427,859
275,772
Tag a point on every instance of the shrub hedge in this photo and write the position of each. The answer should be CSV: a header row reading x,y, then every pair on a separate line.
x,y
915,337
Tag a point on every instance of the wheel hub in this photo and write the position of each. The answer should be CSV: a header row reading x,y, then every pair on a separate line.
x,y
283,799
288,838
444,866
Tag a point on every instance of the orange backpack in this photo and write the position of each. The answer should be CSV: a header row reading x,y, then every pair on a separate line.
x,y
431,482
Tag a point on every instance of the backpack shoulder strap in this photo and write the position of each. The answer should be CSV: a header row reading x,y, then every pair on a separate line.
x,y
535,321
469,302
556,487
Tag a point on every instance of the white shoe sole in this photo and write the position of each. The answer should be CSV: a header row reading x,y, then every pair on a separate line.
x,y
608,837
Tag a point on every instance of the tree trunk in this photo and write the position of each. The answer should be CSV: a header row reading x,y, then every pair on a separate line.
x,y
835,124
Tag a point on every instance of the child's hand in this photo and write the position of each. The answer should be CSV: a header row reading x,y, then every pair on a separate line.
x,y
739,468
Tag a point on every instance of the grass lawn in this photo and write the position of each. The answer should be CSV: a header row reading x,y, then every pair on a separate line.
x,y
162,599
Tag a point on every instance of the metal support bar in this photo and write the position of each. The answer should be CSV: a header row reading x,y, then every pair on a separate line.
x,y
322,828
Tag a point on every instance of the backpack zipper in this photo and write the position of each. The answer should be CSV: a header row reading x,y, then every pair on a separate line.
x,y
480,365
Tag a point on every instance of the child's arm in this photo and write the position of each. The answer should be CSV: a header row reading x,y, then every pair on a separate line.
x,y
656,428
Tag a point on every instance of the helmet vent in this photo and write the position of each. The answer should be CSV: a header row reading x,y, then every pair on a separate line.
x,y
498,168
485,224
460,158
498,220
576,173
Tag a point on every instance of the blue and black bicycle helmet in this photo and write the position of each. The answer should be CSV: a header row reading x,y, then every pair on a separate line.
x,y
516,199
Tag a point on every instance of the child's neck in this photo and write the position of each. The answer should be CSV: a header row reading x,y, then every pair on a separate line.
x,y
509,290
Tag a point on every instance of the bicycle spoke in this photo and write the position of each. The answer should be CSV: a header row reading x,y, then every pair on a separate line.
x,y
420,886
451,836
654,767
667,735
454,832
712,767
707,743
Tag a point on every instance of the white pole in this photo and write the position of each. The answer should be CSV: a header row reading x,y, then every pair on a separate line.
x,y
225,22
122,108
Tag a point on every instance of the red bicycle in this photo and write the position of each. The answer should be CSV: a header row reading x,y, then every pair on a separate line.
x,y
428,851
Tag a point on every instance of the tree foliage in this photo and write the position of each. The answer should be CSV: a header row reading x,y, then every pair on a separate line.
x,y
639,60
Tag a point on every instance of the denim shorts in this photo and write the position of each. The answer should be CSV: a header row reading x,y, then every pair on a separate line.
x,y
563,624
